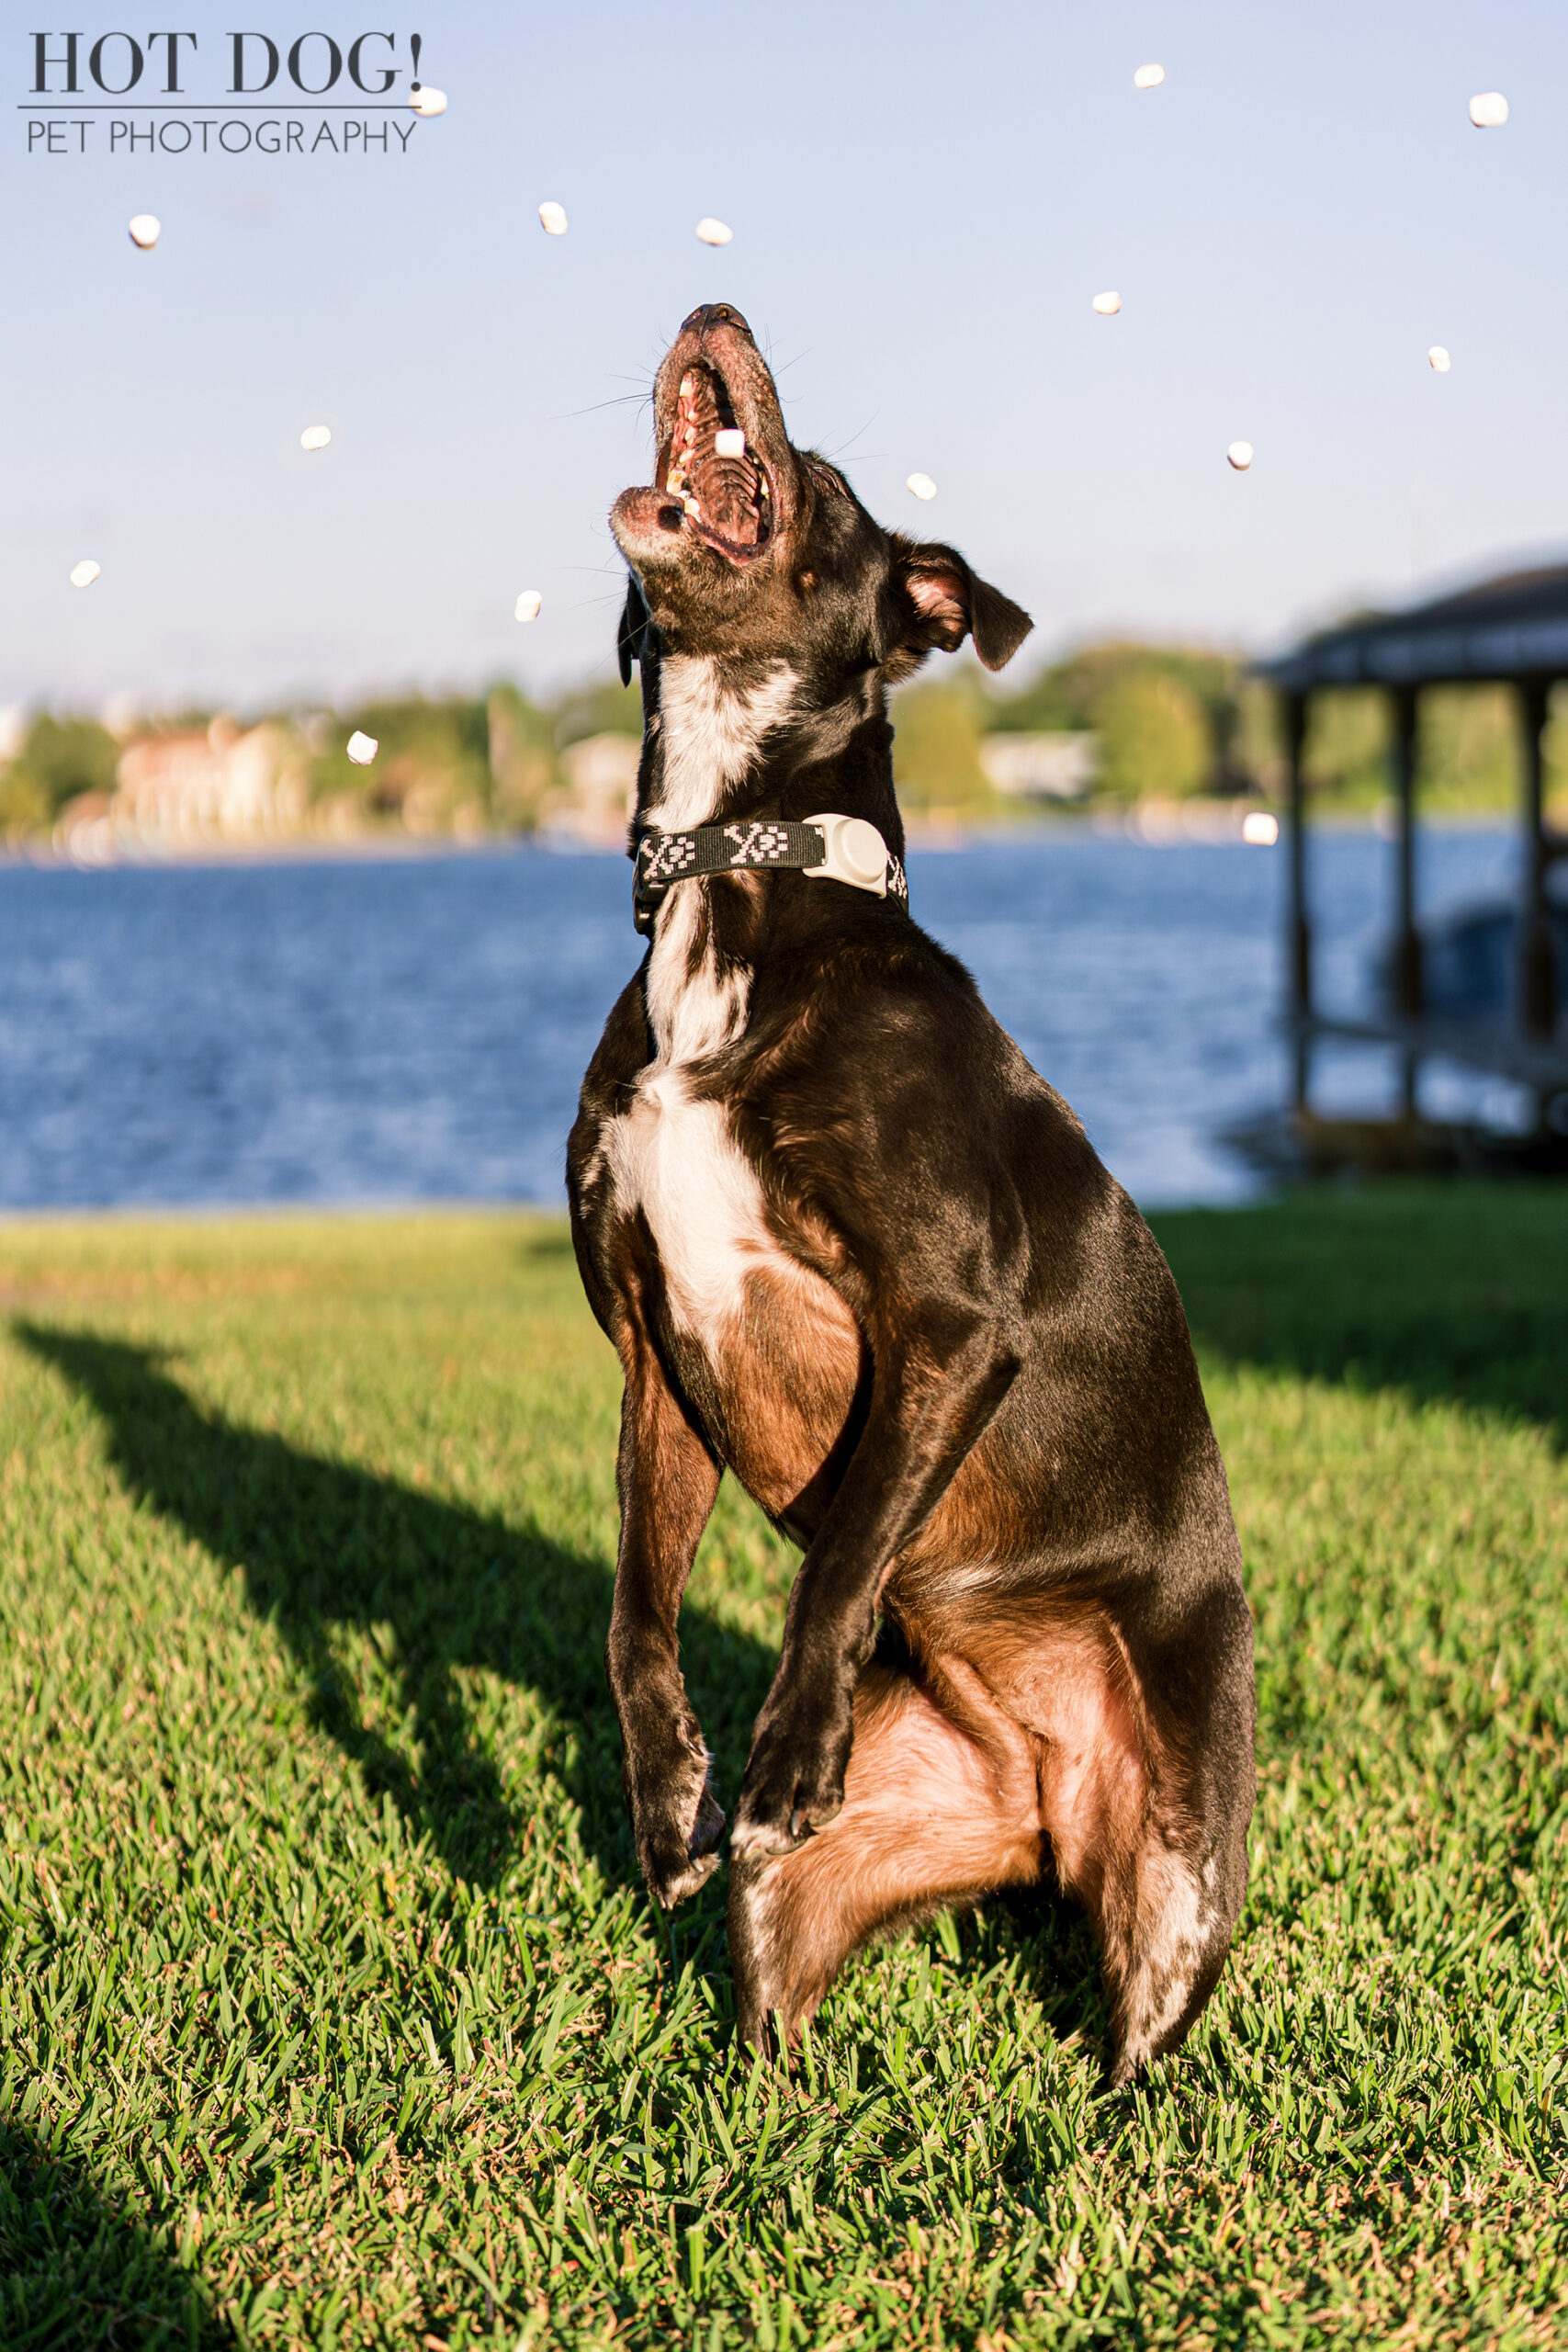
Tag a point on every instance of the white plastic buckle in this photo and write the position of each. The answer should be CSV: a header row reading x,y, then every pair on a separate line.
x,y
856,854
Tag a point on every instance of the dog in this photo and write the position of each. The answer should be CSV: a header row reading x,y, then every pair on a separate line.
x,y
850,1247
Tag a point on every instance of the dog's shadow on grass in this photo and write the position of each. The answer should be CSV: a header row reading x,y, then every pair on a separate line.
x,y
74,2271
323,1545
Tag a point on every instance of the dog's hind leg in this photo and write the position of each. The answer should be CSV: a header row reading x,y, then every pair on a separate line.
x,y
941,1805
1191,1862
1147,1831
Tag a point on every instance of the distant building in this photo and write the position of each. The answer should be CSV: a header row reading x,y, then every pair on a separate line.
x,y
1041,767
601,773
227,783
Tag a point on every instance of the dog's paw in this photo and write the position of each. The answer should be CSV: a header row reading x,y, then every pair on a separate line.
x,y
677,1836
794,1786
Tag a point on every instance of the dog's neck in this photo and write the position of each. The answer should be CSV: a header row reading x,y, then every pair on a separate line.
x,y
764,739
723,744
710,735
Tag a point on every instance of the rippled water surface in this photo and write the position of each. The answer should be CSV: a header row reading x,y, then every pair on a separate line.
x,y
417,1028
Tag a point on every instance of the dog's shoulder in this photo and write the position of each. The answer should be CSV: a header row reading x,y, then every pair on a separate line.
x,y
625,1047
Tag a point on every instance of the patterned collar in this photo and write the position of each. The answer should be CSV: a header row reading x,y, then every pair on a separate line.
x,y
826,848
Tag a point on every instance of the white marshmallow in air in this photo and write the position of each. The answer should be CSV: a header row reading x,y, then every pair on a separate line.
x,y
921,485
316,437
427,101
1489,110
713,233
1240,455
730,443
528,605
1148,77
1437,360
552,219
82,575
1106,305
361,748
145,229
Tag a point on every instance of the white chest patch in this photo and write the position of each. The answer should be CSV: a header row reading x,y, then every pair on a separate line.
x,y
676,1160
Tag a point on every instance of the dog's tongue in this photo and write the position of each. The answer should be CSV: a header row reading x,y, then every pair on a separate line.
x,y
728,488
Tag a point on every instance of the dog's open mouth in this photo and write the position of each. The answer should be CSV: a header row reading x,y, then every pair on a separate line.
x,y
721,483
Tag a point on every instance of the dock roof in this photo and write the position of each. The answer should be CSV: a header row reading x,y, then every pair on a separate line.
x,y
1512,626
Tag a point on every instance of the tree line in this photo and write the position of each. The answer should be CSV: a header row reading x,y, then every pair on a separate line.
x,y
1168,721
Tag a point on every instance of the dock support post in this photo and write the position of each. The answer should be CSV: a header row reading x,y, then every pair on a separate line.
x,y
1298,939
1537,969
1407,988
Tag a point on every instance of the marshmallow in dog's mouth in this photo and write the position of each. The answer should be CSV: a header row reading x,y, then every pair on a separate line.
x,y
722,489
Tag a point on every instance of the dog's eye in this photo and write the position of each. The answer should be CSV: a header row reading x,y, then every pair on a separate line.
x,y
822,474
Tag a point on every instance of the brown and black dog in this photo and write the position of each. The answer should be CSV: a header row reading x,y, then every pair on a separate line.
x,y
850,1247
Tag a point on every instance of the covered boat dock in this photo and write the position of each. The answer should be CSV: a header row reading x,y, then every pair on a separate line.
x,y
1512,631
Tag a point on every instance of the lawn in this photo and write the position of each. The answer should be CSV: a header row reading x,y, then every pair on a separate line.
x,y
331,2012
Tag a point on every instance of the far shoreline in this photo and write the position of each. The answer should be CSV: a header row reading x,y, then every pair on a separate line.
x,y
1138,826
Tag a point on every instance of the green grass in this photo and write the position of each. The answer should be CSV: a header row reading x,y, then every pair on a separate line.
x,y
331,2013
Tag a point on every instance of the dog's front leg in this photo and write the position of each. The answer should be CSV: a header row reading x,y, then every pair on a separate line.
x,y
667,1477
932,1397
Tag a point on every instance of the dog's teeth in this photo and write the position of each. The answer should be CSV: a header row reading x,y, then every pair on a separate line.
x,y
691,507
690,435
730,445
921,485
688,385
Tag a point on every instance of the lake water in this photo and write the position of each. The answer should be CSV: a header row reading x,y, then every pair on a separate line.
x,y
416,1028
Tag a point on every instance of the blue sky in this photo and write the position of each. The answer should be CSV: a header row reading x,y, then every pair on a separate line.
x,y
924,202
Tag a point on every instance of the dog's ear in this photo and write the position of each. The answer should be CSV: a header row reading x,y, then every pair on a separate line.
x,y
944,603
628,636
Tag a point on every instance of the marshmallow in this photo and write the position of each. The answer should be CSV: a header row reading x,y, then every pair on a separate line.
x,y
145,229
1489,109
425,100
315,436
713,233
552,219
1240,455
730,444
922,485
362,749
82,575
1260,829
1148,77
1106,305
528,606
1439,359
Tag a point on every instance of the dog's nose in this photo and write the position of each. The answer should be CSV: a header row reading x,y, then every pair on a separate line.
x,y
715,314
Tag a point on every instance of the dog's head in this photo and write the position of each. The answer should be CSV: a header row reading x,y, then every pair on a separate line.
x,y
765,550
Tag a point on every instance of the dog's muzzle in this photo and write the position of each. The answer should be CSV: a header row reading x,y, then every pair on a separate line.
x,y
823,849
